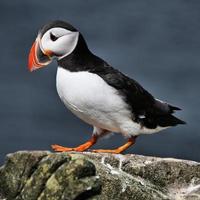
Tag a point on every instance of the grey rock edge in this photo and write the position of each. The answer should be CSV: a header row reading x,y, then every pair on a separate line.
x,y
42,175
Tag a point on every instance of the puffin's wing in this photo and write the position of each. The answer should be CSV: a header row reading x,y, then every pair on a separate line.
x,y
146,110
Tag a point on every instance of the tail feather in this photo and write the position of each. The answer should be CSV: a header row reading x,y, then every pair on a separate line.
x,y
166,107
169,120
162,115
173,108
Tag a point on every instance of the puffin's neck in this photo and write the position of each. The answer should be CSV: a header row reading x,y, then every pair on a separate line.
x,y
81,59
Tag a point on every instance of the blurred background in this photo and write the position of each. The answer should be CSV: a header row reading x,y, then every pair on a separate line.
x,y
155,42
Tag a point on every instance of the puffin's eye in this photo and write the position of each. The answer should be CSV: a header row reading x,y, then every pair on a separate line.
x,y
53,37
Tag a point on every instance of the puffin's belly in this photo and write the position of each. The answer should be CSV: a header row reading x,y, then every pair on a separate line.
x,y
90,98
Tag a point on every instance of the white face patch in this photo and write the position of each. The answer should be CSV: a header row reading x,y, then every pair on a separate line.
x,y
64,43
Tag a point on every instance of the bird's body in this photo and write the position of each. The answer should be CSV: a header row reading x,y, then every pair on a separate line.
x,y
96,92
90,98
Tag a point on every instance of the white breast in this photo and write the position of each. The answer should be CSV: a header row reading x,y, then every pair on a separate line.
x,y
90,98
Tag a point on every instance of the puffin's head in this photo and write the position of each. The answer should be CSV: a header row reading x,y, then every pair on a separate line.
x,y
56,39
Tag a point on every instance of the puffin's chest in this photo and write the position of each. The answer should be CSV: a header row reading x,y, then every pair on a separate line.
x,y
85,90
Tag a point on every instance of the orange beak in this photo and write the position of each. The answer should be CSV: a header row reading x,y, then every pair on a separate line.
x,y
37,58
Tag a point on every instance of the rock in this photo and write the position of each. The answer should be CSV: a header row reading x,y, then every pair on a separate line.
x,y
41,175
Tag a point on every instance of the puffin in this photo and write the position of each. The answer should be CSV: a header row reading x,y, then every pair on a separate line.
x,y
97,93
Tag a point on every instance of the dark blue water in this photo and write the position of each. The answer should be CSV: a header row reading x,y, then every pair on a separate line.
x,y
155,42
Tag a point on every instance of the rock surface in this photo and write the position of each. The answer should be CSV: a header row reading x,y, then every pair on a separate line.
x,y
41,175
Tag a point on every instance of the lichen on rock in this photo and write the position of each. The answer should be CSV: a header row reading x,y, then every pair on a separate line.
x,y
41,175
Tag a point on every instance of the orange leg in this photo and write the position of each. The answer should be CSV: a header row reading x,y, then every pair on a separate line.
x,y
120,149
82,147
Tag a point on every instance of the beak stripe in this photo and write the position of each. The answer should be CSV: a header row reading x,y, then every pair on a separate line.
x,y
33,61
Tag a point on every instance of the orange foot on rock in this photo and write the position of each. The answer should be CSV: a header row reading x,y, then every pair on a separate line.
x,y
120,149
80,148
